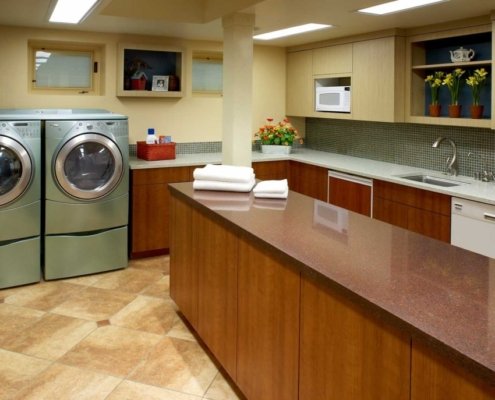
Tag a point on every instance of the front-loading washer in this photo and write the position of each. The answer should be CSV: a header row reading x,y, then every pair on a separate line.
x,y
86,195
20,202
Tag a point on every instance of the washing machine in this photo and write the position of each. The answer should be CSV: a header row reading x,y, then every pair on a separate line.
x,y
86,194
20,202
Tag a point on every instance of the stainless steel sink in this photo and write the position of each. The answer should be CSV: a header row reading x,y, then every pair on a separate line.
x,y
433,180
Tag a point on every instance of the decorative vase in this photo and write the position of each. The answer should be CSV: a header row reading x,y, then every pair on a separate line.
x,y
275,149
435,110
476,111
454,110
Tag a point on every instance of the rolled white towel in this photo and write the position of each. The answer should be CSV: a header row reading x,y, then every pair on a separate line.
x,y
278,186
224,173
224,186
272,195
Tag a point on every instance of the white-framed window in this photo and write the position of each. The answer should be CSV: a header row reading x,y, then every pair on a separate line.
x,y
65,68
207,72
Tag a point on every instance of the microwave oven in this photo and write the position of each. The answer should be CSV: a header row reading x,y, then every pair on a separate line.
x,y
333,98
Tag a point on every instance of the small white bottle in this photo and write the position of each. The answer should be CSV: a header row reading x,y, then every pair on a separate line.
x,y
151,137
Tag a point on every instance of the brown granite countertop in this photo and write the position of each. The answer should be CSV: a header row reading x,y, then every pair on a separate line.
x,y
438,292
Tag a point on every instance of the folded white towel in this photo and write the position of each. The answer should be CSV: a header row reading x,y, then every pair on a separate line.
x,y
271,195
224,173
272,187
224,186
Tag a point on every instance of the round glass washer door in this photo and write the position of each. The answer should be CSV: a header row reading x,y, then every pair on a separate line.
x,y
16,170
88,166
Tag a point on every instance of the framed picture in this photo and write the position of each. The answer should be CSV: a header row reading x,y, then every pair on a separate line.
x,y
160,83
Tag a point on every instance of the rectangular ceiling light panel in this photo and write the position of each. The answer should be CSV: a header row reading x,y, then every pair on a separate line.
x,y
295,30
70,11
397,6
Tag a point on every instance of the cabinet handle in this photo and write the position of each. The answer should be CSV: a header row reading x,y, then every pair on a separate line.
x,y
489,217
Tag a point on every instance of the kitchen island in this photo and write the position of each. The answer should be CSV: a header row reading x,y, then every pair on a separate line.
x,y
295,305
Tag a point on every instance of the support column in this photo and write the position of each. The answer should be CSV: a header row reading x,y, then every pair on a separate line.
x,y
237,133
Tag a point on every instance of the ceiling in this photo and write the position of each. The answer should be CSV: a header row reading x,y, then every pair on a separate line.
x,y
201,19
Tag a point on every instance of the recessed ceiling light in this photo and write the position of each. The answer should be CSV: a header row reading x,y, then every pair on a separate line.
x,y
398,5
70,11
295,30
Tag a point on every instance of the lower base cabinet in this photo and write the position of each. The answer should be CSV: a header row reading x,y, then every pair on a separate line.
x,y
150,209
283,333
417,210
215,257
435,378
308,179
346,354
268,318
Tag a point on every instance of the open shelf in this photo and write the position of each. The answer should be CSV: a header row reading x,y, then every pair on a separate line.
x,y
451,65
431,53
151,61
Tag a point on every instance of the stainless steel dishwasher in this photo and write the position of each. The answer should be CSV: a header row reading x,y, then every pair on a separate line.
x,y
473,226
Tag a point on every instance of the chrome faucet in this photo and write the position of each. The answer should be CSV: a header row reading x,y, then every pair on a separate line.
x,y
451,161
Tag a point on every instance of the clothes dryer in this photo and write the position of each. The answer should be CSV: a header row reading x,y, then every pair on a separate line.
x,y
20,202
86,195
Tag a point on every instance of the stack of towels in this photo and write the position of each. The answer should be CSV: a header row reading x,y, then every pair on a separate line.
x,y
229,178
272,189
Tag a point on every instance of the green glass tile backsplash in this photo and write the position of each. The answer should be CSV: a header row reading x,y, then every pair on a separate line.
x,y
405,144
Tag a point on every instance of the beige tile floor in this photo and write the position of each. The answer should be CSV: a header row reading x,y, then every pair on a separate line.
x,y
114,336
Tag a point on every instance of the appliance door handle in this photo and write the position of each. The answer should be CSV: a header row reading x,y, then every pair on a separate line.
x,y
489,217
351,178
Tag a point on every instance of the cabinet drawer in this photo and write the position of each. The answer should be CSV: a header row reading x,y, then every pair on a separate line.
x,y
423,199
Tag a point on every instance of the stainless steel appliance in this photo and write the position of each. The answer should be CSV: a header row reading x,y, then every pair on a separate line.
x,y
20,202
86,194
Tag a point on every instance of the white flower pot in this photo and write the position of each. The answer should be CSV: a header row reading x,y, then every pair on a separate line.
x,y
275,149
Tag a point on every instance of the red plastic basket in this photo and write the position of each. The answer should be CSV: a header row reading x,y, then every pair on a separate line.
x,y
154,152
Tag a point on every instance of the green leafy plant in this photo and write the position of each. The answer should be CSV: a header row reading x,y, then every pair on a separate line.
x,y
435,81
282,133
476,81
453,81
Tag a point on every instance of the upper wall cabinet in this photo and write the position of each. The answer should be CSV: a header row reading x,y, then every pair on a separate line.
x,y
333,60
149,71
430,53
299,100
378,79
373,68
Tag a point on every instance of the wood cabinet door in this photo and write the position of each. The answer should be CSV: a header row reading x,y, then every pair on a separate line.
x,y
215,257
267,170
149,223
183,271
345,353
350,195
430,224
308,179
390,212
332,60
150,209
374,96
434,377
268,324
299,96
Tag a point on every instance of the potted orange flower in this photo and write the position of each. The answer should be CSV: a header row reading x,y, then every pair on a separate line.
x,y
277,138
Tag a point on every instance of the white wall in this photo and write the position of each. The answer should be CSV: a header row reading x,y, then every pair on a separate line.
x,y
189,119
